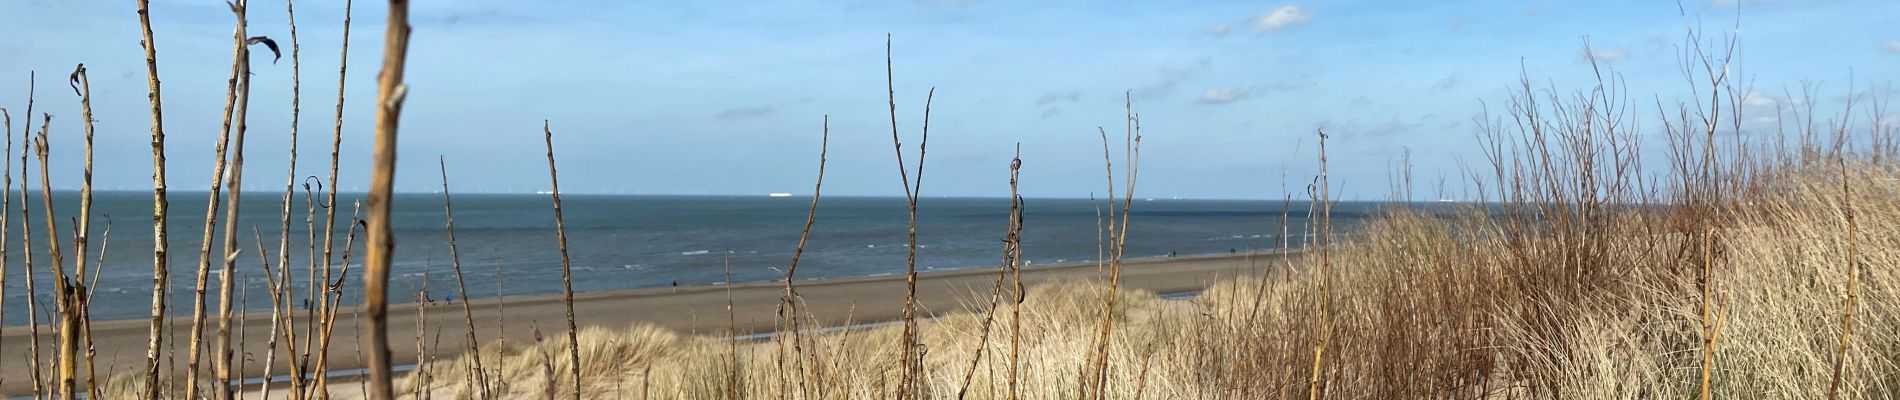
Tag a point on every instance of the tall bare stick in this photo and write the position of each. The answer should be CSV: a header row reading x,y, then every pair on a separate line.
x,y
908,342
26,225
1325,233
1016,276
287,321
1011,247
468,312
227,280
161,204
1853,280
567,277
789,305
1118,237
240,67
325,305
389,96
80,303
66,310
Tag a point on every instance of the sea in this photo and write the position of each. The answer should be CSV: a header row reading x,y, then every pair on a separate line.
x,y
508,246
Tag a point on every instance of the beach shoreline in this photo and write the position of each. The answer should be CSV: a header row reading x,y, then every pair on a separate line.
x,y
699,310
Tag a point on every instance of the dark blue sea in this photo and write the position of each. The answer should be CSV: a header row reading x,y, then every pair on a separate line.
x,y
626,242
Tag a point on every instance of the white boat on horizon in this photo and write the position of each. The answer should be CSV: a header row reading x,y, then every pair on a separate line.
x,y
779,194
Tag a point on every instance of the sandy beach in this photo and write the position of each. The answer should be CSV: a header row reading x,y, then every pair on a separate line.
x,y
121,344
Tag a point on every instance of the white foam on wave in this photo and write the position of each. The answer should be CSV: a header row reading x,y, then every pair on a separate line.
x,y
695,252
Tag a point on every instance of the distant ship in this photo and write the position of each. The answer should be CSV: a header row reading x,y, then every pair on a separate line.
x,y
780,194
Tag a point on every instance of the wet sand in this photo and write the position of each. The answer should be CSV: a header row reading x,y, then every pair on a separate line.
x,y
121,344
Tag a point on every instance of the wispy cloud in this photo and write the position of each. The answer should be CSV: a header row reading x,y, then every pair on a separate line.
x,y
1059,97
1449,83
1361,129
1611,55
1760,111
1170,79
1223,95
1286,16
1232,94
1220,29
744,112
1892,46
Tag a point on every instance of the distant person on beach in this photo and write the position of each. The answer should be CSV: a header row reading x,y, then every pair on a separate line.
x,y
1172,253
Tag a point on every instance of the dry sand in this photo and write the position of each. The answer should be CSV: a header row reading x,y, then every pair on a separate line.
x,y
121,344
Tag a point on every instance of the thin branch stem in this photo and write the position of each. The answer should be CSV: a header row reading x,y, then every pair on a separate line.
x,y
567,274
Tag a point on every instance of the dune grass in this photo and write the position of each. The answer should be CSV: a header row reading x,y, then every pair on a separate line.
x,y
1427,306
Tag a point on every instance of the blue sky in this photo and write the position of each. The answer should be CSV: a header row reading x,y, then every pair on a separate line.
x,y
727,97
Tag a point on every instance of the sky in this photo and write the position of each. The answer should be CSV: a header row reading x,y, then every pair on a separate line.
x,y
730,98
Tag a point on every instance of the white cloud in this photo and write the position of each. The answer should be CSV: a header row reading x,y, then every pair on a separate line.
x,y
1760,100
1281,18
1220,29
1892,46
1761,111
1223,95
